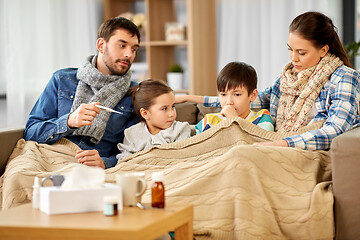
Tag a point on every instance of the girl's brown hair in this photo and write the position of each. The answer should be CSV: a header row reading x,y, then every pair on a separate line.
x,y
143,95
320,30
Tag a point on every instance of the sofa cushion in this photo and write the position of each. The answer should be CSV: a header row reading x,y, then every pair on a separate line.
x,y
186,112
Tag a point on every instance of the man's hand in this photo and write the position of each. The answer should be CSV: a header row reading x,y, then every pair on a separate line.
x,y
83,115
277,143
229,111
90,158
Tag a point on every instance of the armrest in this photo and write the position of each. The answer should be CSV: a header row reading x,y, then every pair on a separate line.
x,y
8,140
345,156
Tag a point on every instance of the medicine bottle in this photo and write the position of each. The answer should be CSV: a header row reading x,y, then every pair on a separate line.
x,y
110,205
157,190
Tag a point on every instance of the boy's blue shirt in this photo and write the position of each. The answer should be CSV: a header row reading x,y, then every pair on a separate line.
x,y
47,122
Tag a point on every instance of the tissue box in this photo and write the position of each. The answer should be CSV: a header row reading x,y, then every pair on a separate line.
x,y
54,200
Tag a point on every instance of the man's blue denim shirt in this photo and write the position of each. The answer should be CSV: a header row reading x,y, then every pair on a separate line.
x,y
47,122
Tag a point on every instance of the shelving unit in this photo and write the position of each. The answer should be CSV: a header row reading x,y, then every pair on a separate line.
x,y
200,42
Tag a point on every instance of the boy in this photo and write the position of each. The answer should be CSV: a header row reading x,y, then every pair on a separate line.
x,y
236,85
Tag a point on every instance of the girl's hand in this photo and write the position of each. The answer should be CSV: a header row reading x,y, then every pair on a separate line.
x,y
277,143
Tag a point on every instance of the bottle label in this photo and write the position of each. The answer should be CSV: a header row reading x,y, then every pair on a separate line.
x,y
158,195
108,209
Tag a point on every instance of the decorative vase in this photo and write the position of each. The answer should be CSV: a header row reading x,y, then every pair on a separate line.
x,y
175,80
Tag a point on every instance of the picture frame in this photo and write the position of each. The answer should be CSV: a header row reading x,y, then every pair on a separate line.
x,y
174,31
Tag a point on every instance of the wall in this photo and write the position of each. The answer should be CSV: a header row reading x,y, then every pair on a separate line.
x,y
39,37
255,32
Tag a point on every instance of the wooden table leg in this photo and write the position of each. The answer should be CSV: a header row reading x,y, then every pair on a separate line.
x,y
185,232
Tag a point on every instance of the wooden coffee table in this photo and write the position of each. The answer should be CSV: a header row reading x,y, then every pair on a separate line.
x,y
24,222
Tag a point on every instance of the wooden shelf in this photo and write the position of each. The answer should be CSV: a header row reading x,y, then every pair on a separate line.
x,y
164,43
160,54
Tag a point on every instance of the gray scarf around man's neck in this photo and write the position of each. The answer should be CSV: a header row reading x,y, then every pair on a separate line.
x,y
94,86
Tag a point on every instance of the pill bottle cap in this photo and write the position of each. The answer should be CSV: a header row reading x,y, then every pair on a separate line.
x,y
157,176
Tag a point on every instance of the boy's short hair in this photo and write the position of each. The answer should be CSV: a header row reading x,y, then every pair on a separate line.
x,y
236,74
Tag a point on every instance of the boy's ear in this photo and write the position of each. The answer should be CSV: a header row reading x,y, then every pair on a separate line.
x,y
253,95
144,113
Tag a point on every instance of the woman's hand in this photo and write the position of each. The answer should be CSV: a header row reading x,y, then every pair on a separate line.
x,y
90,158
277,143
189,98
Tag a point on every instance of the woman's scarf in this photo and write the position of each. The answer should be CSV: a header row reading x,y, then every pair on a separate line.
x,y
299,91
94,86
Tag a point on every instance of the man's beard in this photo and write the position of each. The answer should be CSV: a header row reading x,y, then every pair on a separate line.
x,y
112,64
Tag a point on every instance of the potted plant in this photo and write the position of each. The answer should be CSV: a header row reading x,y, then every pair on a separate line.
x,y
352,49
175,76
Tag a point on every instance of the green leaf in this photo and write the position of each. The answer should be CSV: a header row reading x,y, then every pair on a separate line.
x,y
175,68
352,49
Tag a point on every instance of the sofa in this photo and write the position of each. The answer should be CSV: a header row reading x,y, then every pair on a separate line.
x,y
345,156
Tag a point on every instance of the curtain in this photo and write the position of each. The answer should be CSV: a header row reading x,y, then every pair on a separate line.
x,y
2,59
38,38
255,32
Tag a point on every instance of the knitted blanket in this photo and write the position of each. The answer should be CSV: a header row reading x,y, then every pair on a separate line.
x,y
239,191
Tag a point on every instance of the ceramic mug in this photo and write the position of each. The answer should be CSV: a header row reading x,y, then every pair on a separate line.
x,y
133,186
57,180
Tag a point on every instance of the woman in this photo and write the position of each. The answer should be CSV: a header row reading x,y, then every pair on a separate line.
x,y
318,84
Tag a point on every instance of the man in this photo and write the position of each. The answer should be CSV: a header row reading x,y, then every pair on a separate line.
x,y
67,108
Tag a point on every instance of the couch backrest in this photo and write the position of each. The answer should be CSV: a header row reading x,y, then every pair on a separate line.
x,y
192,112
8,140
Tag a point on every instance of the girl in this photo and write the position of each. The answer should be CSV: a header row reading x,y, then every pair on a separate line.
x,y
154,104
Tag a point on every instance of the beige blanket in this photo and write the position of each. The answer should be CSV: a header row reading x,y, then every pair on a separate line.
x,y
239,191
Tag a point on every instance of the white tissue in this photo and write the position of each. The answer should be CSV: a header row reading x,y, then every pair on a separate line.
x,y
84,177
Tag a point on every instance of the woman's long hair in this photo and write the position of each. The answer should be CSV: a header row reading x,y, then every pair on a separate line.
x,y
320,30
